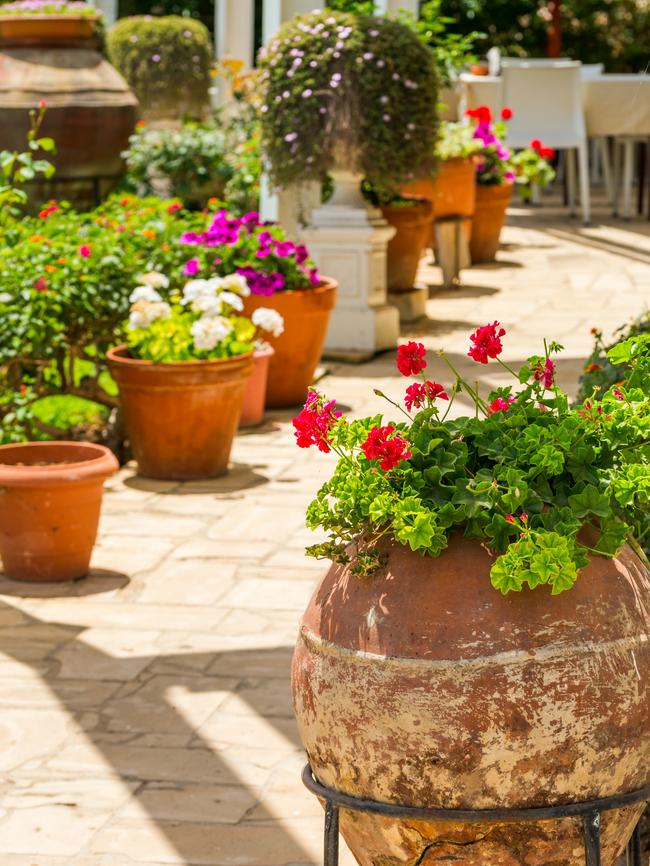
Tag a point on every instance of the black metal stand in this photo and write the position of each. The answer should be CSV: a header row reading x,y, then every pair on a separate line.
x,y
589,811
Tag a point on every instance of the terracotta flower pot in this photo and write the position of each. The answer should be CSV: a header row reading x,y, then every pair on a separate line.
x,y
412,225
489,218
452,191
46,29
424,686
181,418
252,412
50,498
298,349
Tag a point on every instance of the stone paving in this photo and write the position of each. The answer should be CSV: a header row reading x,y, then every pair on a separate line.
x,y
145,711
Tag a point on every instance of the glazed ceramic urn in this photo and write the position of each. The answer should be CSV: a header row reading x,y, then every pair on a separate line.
x,y
424,686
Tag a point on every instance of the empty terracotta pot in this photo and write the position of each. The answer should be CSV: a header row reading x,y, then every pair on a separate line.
x,y
50,498
412,223
298,349
424,686
181,418
489,218
252,412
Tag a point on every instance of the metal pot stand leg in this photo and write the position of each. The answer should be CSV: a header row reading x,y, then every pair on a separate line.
x,y
589,811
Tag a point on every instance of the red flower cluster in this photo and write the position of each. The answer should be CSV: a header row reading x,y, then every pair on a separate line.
x,y
40,285
410,359
506,113
314,423
382,445
85,251
44,214
500,405
417,394
482,114
545,374
487,342
544,152
175,206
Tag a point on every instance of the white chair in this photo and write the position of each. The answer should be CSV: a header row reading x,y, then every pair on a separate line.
x,y
546,102
591,70
478,90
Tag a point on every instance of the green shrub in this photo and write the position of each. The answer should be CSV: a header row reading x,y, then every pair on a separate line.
x,y
337,89
599,372
167,63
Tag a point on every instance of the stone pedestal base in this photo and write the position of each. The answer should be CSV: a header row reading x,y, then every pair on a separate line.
x,y
410,305
347,240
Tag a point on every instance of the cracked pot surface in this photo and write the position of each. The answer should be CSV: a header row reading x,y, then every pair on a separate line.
x,y
425,686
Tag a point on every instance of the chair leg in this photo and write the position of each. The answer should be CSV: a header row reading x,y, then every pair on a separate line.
x,y
628,172
617,176
643,158
570,161
583,175
605,161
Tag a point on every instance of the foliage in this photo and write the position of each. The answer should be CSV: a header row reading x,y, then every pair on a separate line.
x,y
17,168
50,7
166,61
356,7
541,484
456,141
453,50
357,92
599,373
201,10
531,169
613,33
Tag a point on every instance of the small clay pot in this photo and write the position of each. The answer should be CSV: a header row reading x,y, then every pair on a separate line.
x,y
489,218
412,224
252,412
298,349
50,498
181,418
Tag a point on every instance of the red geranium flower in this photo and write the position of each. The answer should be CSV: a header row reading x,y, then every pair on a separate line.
x,y
410,359
500,405
314,423
175,206
506,113
85,251
416,394
487,342
546,373
536,144
50,209
547,152
383,446
40,285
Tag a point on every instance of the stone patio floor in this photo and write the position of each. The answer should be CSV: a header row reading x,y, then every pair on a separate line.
x,y
145,711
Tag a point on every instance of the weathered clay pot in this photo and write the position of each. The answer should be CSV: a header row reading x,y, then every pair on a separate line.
x,y
452,191
252,412
91,111
425,686
45,29
50,498
181,418
412,224
298,349
489,218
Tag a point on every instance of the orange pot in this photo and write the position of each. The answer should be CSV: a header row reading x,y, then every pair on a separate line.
x,y
181,418
46,29
252,412
412,224
50,498
452,191
489,218
298,349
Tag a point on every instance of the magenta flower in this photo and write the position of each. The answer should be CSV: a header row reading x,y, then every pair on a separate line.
x,y
191,268
85,251
261,283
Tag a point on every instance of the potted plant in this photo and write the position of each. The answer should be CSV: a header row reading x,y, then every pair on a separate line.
x,y
47,22
281,276
182,374
252,412
482,640
50,499
497,170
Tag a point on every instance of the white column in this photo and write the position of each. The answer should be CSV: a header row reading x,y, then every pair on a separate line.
x,y
234,29
109,10
387,7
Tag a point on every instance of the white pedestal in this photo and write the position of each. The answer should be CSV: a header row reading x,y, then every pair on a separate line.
x,y
411,305
347,240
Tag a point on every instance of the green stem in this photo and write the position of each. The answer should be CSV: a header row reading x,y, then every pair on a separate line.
x,y
508,368
636,547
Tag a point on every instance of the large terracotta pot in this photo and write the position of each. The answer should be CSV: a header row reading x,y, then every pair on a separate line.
x,y
252,412
412,224
298,349
50,498
489,218
91,112
181,418
424,686
452,191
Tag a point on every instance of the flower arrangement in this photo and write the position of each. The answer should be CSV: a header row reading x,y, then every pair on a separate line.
x,y
540,484
496,164
202,323
50,7
338,87
257,251
456,140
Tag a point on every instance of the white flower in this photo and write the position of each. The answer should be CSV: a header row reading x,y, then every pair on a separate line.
x,y
268,320
154,279
209,332
143,313
195,289
232,300
209,305
144,293
5,298
237,284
